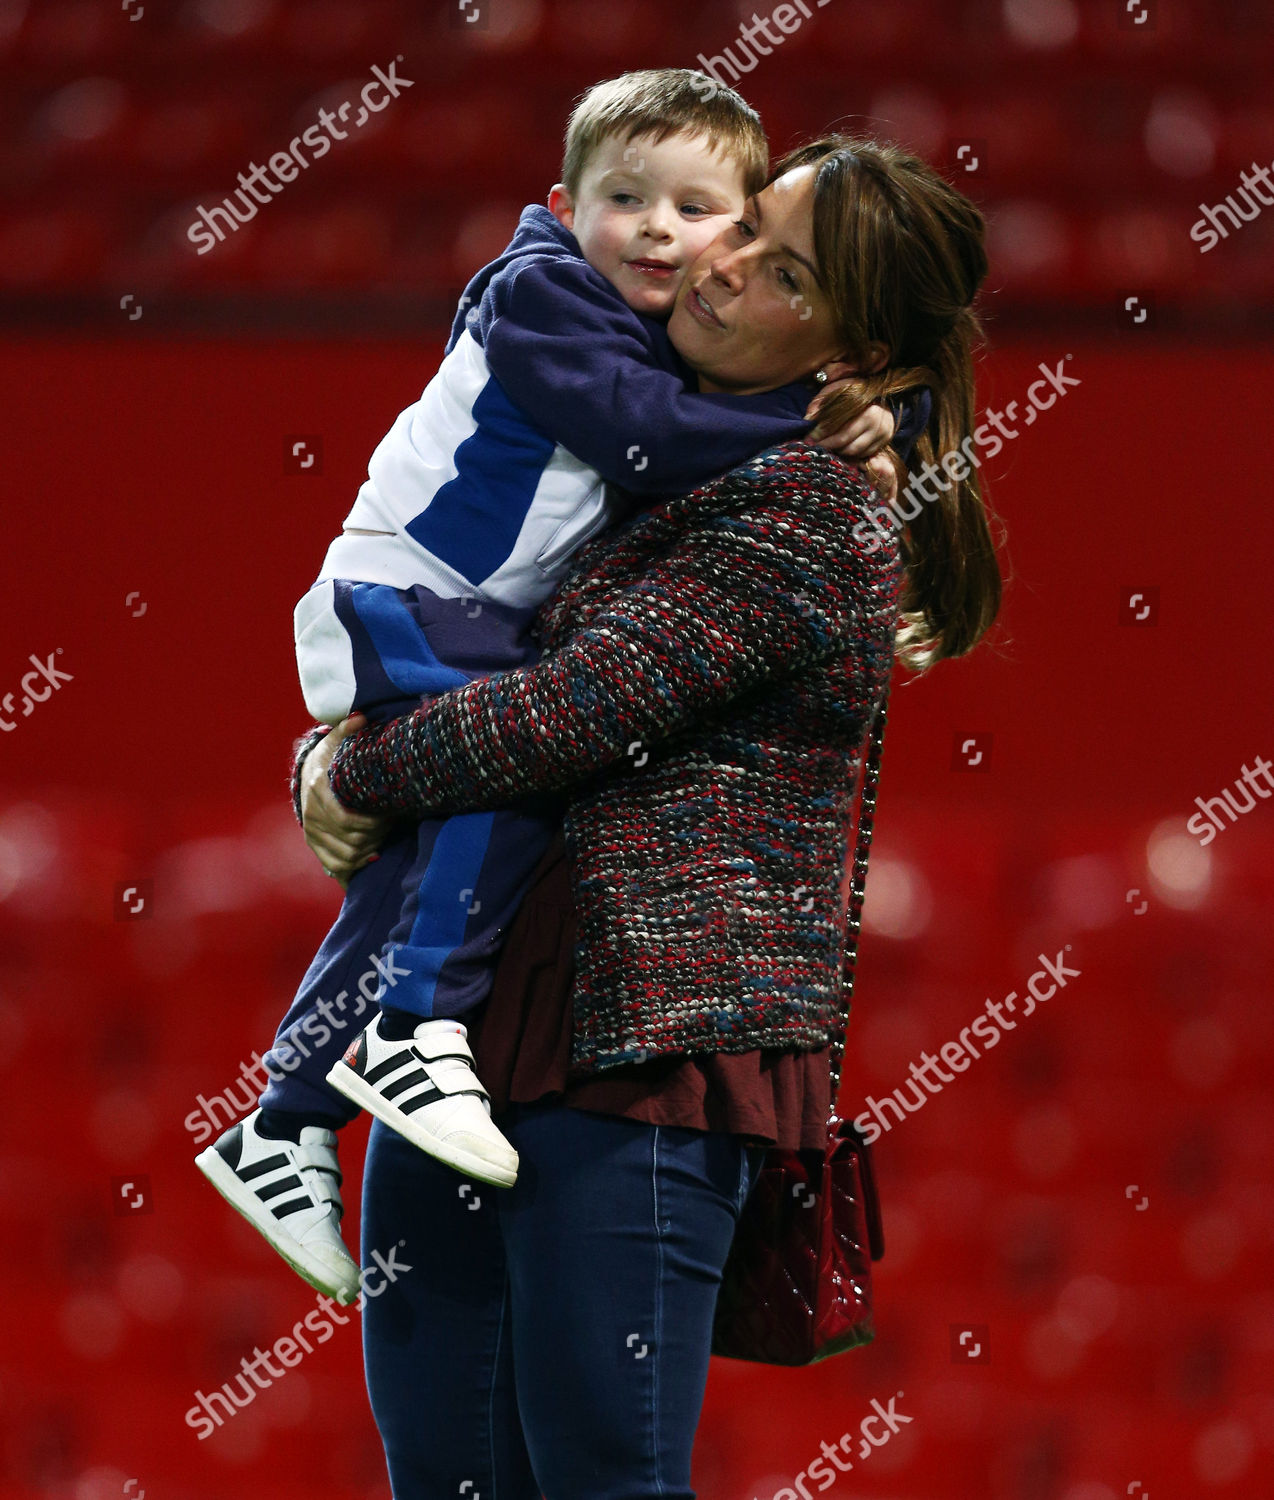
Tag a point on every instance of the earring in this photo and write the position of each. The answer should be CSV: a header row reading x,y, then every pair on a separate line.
x,y
820,377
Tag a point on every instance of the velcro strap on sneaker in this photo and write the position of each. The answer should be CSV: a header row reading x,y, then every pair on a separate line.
x,y
453,1081
326,1191
444,1044
321,1158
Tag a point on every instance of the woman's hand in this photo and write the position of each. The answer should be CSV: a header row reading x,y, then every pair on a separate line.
x,y
344,841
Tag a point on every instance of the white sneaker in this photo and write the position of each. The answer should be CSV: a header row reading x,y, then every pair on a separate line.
x,y
292,1194
425,1089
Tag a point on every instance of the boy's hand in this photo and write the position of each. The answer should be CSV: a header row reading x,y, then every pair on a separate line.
x,y
863,438
884,476
868,433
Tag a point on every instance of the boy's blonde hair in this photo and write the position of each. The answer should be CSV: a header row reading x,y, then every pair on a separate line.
x,y
661,102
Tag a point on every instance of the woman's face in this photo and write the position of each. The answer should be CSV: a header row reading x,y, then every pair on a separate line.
x,y
751,314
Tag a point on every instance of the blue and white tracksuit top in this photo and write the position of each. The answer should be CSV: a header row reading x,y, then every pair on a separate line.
x,y
554,406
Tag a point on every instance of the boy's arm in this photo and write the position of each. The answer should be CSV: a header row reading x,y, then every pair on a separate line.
x,y
600,379
768,586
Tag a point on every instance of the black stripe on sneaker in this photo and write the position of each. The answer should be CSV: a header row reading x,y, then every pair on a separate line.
x,y
414,1104
384,1069
260,1168
414,1080
293,1205
284,1185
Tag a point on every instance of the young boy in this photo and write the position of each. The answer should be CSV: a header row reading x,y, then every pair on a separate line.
x,y
557,387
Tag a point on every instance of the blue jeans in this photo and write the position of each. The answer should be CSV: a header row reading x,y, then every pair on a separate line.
x,y
550,1338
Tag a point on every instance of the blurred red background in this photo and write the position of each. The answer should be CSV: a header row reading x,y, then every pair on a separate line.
x,y
1093,1198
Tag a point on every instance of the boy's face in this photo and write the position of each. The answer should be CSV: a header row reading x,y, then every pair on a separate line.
x,y
645,211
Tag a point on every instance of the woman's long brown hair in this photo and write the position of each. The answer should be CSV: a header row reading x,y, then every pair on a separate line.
x,y
901,257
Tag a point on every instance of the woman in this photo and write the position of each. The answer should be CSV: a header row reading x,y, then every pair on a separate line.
x,y
709,673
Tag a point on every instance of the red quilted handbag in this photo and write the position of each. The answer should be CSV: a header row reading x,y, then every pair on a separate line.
x,y
797,1283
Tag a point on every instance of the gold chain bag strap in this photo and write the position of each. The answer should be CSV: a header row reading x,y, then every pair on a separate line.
x,y
797,1283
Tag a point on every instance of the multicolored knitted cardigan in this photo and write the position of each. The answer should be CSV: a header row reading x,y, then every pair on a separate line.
x,y
709,673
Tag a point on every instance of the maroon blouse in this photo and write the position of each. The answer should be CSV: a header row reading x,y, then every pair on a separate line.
x,y
521,1042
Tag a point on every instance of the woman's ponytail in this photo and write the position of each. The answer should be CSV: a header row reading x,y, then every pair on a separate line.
x,y
953,588
902,254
